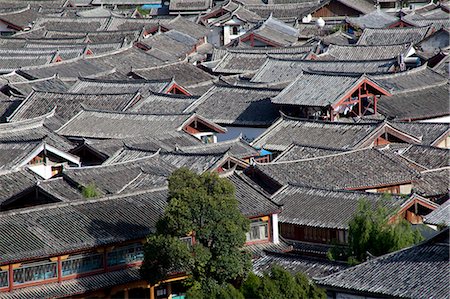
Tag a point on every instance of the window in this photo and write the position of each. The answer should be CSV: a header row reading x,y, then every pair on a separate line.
x,y
234,30
35,272
128,254
258,231
161,292
187,240
3,279
82,263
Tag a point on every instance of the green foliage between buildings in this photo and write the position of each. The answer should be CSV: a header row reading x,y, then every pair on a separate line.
x,y
89,191
205,207
371,233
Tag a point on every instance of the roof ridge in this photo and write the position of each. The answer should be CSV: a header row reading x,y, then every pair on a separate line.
x,y
317,158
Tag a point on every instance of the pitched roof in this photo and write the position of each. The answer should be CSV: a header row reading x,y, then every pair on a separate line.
x,y
107,124
275,31
67,105
403,269
429,133
333,89
393,36
429,102
143,173
21,18
237,105
64,227
32,130
72,24
15,182
242,62
282,11
105,86
427,157
183,73
374,19
325,208
276,69
440,215
289,130
189,5
313,267
252,201
366,52
433,182
415,79
159,103
300,152
342,170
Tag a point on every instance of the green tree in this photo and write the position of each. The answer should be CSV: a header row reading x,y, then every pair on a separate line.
x,y
280,284
371,232
205,207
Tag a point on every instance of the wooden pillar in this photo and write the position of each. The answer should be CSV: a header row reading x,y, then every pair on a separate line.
x,y
152,292
125,294
59,264
359,101
10,277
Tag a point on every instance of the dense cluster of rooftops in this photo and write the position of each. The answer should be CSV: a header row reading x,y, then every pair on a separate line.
x,y
307,106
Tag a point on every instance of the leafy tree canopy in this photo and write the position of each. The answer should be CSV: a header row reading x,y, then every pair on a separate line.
x,y
203,206
372,233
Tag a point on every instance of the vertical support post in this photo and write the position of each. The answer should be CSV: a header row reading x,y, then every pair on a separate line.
x,y
59,264
152,292
10,277
359,101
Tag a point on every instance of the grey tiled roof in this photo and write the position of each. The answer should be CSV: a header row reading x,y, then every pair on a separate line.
x,y
189,5
429,133
159,103
237,105
10,63
304,92
80,25
183,73
403,270
326,208
15,182
315,133
312,267
358,169
374,19
277,69
433,183
102,86
393,36
439,216
276,31
69,104
366,52
235,63
429,157
104,124
284,11
300,152
21,18
412,80
429,102
77,225
144,173
252,201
